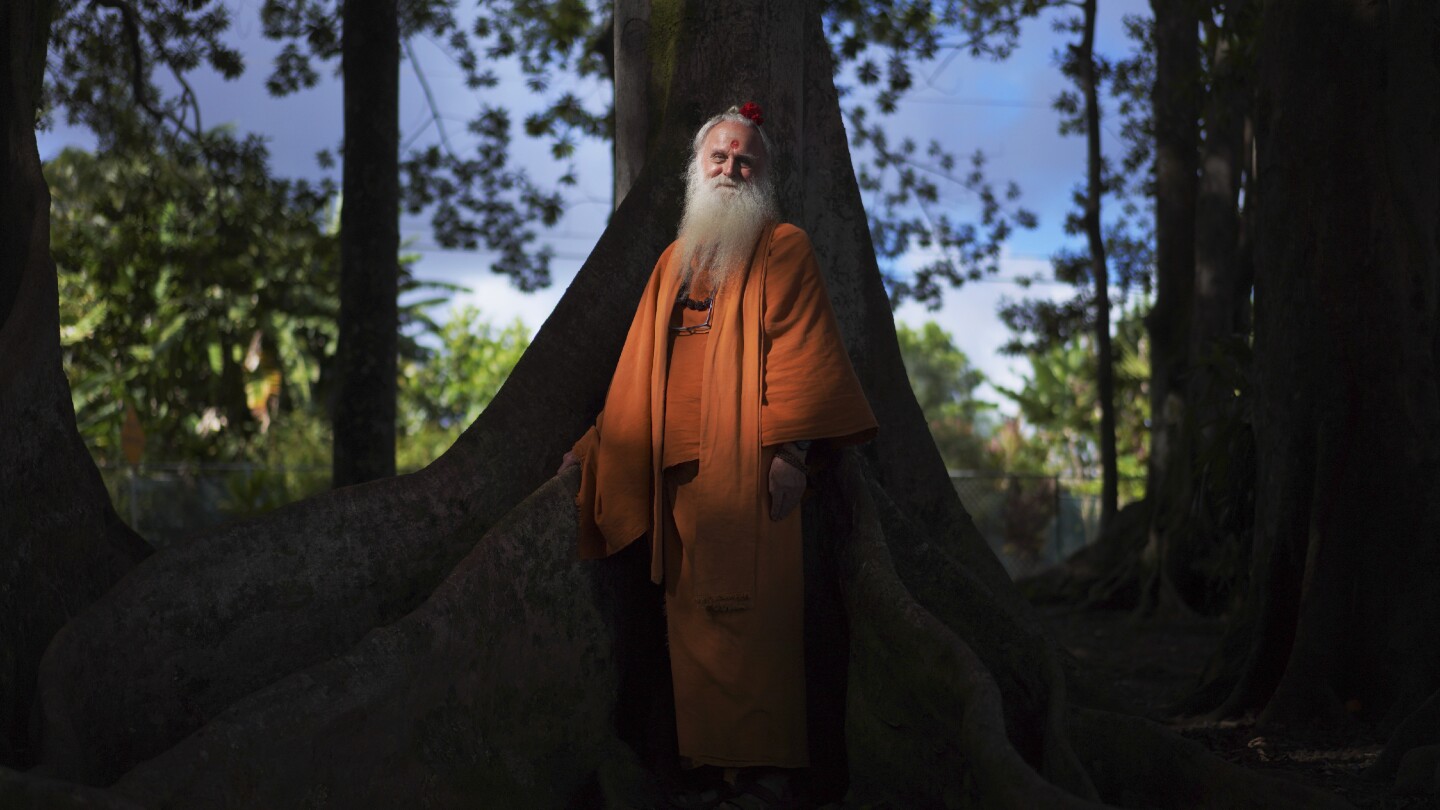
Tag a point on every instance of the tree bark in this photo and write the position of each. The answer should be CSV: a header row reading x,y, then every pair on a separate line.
x,y
24,791
1211,514
364,406
322,650
1104,356
1244,317
1217,216
61,543
1175,100
1347,422
632,108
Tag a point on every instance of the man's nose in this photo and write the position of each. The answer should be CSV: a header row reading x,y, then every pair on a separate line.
x,y
732,167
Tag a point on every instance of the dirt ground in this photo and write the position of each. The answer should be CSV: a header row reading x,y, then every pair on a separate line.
x,y
1155,663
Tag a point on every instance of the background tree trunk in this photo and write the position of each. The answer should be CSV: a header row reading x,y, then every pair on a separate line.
x,y
1175,100
1104,356
61,543
1220,464
1341,603
1217,214
632,108
364,407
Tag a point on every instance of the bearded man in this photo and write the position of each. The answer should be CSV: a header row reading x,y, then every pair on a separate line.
x,y
733,366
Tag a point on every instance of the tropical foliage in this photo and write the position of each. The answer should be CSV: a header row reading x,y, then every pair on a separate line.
x,y
1055,430
945,385
211,312
442,393
205,308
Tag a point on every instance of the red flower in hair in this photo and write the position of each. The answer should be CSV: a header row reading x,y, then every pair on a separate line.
x,y
752,111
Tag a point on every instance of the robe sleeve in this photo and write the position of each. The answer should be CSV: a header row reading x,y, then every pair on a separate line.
x,y
586,444
615,496
810,389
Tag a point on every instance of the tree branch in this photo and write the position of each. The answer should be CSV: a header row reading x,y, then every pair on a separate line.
x,y
429,98
130,19
182,130
132,23
187,94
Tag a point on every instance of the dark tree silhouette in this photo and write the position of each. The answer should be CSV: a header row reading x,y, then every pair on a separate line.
x,y
1202,458
1175,107
1341,606
1086,77
1215,495
1342,213
61,543
432,639
365,356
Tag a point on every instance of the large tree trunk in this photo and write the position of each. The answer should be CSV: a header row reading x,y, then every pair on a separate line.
x,y
321,655
1342,605
364,406
1218,287
1220,465
1175,100
1099,269
61,543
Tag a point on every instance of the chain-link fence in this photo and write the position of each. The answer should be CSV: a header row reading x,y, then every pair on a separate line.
x,y
1033,521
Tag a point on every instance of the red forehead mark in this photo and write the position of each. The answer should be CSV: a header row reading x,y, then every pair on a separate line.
x,y
734,144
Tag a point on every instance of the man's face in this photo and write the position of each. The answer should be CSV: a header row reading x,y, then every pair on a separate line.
x,y
730,155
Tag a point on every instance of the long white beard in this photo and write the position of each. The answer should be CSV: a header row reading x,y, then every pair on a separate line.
x,y
722,222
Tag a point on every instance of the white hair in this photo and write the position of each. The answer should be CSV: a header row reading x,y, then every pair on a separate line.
x,y
732,115
718,230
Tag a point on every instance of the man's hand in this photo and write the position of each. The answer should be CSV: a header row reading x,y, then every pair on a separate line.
x,y
568,461
787,484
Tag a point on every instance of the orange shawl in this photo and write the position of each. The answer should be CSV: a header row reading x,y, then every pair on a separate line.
x,y
775,371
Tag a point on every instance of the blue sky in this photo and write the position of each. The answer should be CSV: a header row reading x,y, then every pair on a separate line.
x,y
1000,108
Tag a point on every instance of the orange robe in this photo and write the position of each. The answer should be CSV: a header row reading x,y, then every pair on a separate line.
x,y
774,369
684,382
